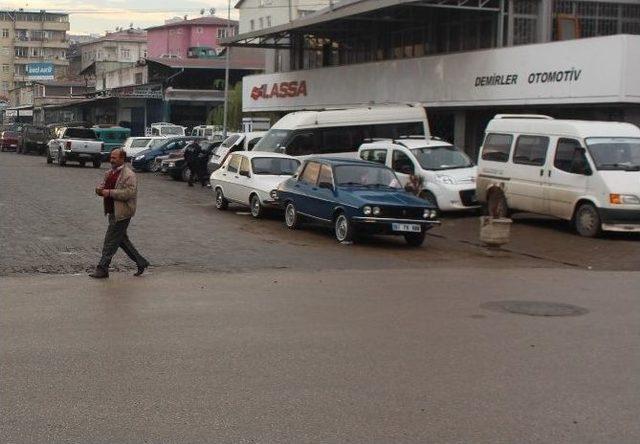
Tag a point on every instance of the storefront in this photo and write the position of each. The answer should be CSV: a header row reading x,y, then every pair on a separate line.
x,y
587,78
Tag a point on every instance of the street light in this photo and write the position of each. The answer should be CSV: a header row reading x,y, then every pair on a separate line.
x,y
226,74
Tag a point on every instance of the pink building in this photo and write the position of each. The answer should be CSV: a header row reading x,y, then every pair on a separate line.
x,y
178,39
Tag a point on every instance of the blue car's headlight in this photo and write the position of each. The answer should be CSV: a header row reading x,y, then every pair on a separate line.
x,y
139,157
367,210
376,211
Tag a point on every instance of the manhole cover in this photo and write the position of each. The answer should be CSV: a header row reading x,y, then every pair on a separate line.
x,y
536,308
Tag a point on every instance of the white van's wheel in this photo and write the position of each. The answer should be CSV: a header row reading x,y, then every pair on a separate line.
x,y
587,220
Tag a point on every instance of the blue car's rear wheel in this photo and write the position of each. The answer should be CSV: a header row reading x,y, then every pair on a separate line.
x,y
343,228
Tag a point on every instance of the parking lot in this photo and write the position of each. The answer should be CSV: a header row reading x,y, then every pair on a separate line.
x,y
53,223
245,331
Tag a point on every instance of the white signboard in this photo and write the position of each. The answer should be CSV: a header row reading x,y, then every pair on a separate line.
x,y
577,71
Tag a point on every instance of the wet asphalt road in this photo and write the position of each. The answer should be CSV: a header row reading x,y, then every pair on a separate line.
x,y
244,331
334,356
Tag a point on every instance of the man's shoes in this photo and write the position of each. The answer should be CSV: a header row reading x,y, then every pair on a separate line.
x,y
141,269
99,273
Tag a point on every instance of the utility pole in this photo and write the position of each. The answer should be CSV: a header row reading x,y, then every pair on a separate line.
x,y
226,74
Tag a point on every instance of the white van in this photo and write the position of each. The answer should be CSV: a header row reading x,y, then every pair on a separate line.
x,y
582,171
338,131
165,129
448,174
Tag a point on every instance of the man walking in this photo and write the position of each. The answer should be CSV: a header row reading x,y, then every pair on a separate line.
x,y
119,190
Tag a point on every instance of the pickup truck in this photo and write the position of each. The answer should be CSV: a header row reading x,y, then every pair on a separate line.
x,y
75,144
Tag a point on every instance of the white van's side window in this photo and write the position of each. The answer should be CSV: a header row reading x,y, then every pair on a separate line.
x,y
379,156
402,163
531,150
570,157
497,147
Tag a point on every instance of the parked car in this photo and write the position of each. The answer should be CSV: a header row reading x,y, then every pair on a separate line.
x,y
134,145
178,168
9,139
250,179
33,139
355,197
112,136
448,174
233,143
586,172
75,144
145,160
328,132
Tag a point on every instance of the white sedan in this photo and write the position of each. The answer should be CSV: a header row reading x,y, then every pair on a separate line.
x,y
249,178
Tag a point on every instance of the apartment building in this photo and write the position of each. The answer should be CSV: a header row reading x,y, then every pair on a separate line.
x,y
194,39
33,46
261,14
113,51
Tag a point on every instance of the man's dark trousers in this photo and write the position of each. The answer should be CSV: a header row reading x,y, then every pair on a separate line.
x,y
115,238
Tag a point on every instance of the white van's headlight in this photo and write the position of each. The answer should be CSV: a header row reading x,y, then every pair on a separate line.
x,y
446,179
624,199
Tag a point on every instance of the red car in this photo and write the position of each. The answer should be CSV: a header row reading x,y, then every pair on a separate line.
x,y
9,140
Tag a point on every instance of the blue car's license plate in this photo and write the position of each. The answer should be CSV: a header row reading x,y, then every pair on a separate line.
x,y
411,228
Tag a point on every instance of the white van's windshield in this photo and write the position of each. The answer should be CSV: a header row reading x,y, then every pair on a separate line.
x,y
272,141
443,157
615,153
172,130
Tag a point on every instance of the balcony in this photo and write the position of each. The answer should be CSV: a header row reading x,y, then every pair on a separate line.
x,y
60,61
43,26
41,43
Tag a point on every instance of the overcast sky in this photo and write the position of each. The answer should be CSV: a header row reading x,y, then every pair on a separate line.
x,y
97,16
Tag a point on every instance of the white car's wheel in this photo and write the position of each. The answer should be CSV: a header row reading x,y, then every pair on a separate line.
x,y
257,210
221,202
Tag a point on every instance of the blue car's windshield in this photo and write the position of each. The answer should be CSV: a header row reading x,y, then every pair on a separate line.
x,y
367,176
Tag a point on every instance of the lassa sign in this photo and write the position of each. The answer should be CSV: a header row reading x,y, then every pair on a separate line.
x,y
280,90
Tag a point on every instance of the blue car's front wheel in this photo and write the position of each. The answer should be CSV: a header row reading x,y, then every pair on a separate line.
x,y
291,216
343,228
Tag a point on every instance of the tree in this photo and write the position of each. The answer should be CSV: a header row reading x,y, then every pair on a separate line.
x,y
234,114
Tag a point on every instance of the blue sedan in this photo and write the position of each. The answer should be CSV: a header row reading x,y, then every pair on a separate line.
x,y
354,197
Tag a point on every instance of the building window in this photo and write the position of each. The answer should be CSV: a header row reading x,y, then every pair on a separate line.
x,y
594,19
125,54
21,52
199,30
5,33
268,21
5,86
252,24
222,33
261,23
5,68
138,78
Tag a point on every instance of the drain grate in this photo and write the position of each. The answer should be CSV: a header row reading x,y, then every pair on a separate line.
x,y
535,308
